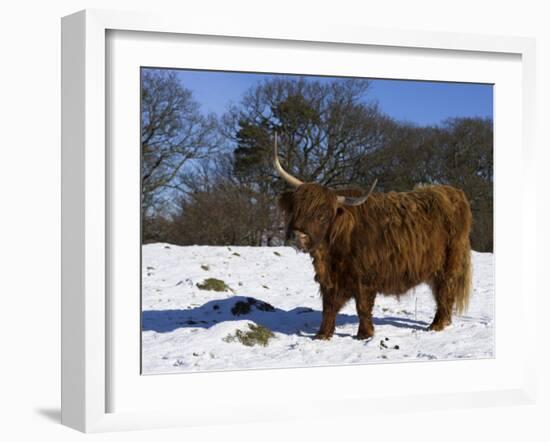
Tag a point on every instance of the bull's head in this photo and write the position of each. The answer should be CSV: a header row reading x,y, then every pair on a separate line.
x,y
310,209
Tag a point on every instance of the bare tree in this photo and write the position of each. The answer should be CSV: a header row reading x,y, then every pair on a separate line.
x,y
174,132
219,210
325,127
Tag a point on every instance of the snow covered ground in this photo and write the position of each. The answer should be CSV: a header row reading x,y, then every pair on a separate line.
x,y
185,328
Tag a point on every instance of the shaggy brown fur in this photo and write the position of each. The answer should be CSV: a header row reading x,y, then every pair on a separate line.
x,y
388,245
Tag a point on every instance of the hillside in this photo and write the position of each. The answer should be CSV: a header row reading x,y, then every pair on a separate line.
x,y
188,328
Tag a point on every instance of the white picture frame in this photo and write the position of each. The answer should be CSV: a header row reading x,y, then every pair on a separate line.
x,y
86,314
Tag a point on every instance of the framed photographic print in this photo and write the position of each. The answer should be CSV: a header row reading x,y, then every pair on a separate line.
x,y
249,213
222,286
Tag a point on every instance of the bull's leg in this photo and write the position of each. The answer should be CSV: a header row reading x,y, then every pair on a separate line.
x,y
332,303
364,302
444,299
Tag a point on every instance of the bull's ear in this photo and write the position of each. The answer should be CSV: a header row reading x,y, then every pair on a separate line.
x,y
286,201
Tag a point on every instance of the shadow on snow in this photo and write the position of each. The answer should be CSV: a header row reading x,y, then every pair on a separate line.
x,y
299,320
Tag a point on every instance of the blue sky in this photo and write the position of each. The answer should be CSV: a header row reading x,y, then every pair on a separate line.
x,y
419,102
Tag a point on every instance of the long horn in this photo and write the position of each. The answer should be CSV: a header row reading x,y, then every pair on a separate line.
x,y
284,174
356,201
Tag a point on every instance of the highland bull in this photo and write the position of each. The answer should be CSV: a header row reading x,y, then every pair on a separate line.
x,y
387,243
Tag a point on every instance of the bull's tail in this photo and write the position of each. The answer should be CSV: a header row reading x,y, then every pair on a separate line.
x,y
456,286
463,280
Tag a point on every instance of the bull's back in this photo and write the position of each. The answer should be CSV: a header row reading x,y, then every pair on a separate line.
x,y
408,235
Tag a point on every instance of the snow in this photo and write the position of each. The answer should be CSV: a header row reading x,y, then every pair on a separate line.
x,y
185,328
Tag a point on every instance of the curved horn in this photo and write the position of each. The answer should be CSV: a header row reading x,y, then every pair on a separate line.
x,y
356,201
284,174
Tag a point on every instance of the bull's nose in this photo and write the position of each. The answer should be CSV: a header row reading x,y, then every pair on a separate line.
x,y
297,235
300,239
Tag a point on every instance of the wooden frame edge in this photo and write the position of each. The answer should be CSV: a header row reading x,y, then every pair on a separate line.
x,y
83,222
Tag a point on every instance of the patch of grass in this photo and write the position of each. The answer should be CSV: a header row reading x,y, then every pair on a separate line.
x,y
256,335
236,254
205,267
214,284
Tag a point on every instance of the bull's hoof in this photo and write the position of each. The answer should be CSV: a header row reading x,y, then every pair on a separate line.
x,y
364,336
439,325
322,337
